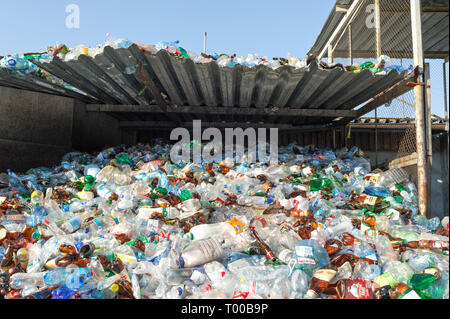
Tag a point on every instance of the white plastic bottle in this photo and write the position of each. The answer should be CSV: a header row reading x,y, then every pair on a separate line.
x,y
205,231
201,252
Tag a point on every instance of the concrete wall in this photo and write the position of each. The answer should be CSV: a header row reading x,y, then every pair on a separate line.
x,y
37,129
94,131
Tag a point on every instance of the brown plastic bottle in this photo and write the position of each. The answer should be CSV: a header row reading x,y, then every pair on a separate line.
x,y
321,280
8,258
264,247
333,246
139,244
342,259
3,234
332,291
125,289
428,244
27,231
368,222
403,291
367,200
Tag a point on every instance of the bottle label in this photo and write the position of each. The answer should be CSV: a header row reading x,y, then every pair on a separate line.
x,y
371,233
75,223
409,294
240,295
311,293
237,225
303,260
197,276
374,178
325,274
439,244
358,289
304,251
365,228
307,171
98,223
284,255
370,200
385,279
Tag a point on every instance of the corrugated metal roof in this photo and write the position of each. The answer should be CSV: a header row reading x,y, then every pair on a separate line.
x,y
180,82
396,38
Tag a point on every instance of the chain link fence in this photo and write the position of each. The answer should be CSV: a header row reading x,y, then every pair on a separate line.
x,y
362,39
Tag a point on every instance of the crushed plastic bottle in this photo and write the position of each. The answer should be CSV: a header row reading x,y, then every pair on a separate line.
x,y
127,223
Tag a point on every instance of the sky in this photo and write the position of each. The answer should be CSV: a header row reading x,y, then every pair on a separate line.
x,y
269,28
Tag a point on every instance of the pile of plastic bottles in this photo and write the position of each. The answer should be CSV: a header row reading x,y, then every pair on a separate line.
x,y
383,66
24,64
129,223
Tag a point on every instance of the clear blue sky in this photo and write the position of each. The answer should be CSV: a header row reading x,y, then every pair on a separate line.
x,y
269,28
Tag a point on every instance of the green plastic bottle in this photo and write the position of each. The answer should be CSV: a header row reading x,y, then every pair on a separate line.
x,y
421,281
185,195
123,159
317,184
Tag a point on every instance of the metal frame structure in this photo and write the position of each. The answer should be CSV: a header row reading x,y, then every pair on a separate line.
x,y
430,37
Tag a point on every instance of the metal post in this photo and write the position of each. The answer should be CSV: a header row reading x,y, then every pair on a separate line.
x,y
445,95
428,123
334,139
378,26
416,28
376,138
429,132
204,43
350,44
330,54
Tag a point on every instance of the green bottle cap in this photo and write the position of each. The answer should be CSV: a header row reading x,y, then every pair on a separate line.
x,y
398,199
161,191
185,195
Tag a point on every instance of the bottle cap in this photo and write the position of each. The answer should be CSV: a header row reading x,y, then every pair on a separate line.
x,y
181,262
114,288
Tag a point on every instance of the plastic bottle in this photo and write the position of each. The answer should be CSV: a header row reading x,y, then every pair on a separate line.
x,y
399,274
392,176
205,231
201,252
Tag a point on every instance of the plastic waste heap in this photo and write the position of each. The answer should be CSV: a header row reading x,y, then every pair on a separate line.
x,y
127,223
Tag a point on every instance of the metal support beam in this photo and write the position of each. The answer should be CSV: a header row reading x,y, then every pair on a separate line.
x,y
429,9
404,161
330,54
445,94
397,90
156,125
343,53
220,110
350,43
353,8
378,26
428,122
421,133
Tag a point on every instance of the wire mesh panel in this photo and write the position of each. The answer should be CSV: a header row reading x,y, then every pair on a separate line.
x,y
383,28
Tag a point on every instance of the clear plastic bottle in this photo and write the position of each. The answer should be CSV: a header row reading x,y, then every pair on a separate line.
x,y
392,176
201,252
399,274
